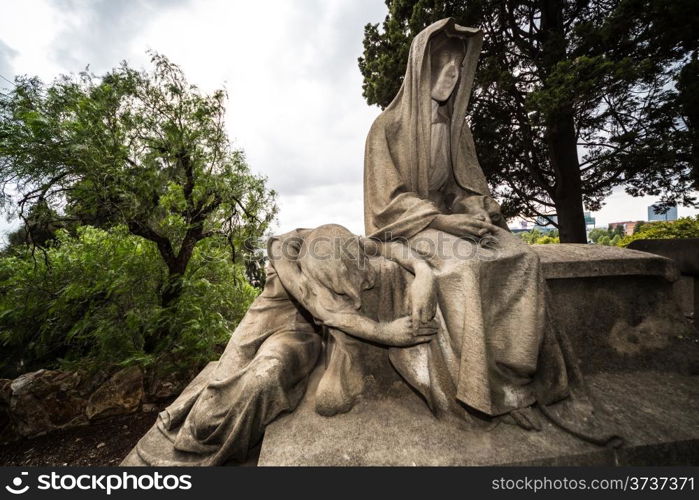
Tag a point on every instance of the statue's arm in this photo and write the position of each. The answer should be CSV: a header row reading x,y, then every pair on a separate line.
x,y
397,333
423,289
483,207
403,255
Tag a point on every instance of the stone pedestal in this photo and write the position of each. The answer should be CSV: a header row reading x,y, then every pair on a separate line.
x,y
685,254
639,354
656,412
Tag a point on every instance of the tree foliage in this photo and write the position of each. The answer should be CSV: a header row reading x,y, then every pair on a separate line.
x,y
684,227
146,150
145,217
572,98
94,302
607,236
537,237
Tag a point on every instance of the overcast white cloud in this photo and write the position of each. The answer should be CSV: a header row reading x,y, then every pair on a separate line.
x,y
290,68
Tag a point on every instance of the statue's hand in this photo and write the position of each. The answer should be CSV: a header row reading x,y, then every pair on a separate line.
x,y
463,225
481,207
423,297
400,332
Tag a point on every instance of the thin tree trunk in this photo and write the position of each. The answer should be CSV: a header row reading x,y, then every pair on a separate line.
x,y
560,132
568,196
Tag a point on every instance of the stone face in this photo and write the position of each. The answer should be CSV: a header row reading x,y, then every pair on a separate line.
x,y
119,395
46,400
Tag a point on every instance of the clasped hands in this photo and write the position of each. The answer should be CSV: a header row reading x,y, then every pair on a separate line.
x,y
463,225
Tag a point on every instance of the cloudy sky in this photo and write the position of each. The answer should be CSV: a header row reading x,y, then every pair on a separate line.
x,y
290,68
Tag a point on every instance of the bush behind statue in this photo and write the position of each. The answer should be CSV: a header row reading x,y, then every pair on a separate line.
x,y
94,302
684,227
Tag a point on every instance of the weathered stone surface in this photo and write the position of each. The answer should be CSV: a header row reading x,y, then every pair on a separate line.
x,y
46,400
121,394
626,330
619,308
623,323
589,261
161,390
684,252
657,412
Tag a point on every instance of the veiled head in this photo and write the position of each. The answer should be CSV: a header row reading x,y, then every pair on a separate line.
x,y
334,259
446,57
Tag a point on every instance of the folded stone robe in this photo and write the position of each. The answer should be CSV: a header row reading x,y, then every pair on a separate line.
x,y
263,372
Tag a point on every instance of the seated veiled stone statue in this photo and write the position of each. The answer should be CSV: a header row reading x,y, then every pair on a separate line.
x,y
460,302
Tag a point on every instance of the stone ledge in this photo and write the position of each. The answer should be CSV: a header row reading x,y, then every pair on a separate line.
x,y
656,412
591,261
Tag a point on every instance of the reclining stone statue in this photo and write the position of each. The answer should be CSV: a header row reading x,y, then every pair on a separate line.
x,y
459,301
379,292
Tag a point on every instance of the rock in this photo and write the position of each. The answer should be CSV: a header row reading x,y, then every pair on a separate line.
x,y
119,395
46,400
5,391
164,389
149,408
7,430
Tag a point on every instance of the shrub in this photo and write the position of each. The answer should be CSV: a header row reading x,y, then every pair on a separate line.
x,y
92,300
684,227
537,237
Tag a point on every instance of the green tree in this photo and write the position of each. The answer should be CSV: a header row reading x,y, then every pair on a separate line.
x,y
604,240
146,150
547,240
615,80
597,233
616,230
537,237
530,237
94,303
684,227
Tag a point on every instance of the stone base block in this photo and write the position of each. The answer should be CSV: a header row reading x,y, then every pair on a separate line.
x,y
655,412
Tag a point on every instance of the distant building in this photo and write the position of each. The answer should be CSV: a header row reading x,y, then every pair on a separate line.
x,y
655,214
523,227
589,221
628,226
546,224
